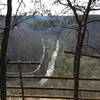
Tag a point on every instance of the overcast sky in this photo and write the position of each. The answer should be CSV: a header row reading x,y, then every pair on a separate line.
x,y
55,9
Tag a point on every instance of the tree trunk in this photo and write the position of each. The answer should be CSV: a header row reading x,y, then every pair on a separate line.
x,y
77,65
79,45
4,45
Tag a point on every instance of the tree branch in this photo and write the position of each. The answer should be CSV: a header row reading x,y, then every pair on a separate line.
x,y
74,28
87,45
86,55
22,20
94,9
62,3
15,18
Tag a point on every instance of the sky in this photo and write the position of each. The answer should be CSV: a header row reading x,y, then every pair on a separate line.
x,y
46,4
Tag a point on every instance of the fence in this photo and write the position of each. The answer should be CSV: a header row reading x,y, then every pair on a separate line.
x,y
22,95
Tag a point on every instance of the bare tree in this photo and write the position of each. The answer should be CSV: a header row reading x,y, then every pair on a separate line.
x,y
4,43
81,14
9,25
4,50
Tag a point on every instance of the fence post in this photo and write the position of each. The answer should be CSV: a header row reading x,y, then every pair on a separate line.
x,y
21,81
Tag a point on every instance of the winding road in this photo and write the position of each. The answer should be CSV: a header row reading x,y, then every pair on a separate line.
x,y
41,61
51,65
39,66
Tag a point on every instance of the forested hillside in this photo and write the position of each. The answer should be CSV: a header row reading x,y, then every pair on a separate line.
x,y
25,39
26,43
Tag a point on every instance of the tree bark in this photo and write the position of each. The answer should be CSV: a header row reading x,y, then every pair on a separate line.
x,y
77,65
3,52
79,45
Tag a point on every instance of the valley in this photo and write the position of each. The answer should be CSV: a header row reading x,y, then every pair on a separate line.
x,y
45,40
